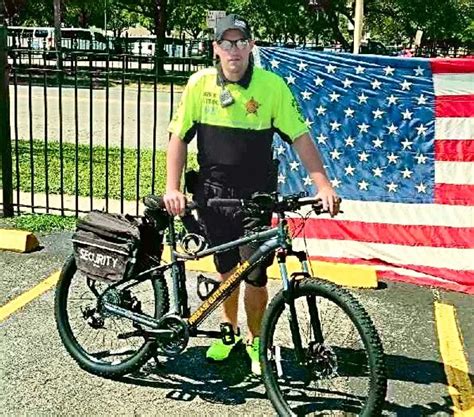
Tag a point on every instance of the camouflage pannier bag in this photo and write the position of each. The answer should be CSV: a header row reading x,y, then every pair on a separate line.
x,y
106,246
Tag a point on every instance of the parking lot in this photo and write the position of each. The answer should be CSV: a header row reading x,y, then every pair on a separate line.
x,y
38,377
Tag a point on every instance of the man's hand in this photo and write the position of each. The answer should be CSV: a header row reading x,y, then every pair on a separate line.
x,y
175,202
329,199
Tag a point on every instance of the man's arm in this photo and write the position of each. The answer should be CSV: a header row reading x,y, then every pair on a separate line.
x,y
311,159
174,199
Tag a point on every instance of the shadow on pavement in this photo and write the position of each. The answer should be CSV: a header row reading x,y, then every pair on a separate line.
x,y
230,383
190,375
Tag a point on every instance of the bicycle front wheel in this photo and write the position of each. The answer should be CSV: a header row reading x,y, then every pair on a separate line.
x,y
329,361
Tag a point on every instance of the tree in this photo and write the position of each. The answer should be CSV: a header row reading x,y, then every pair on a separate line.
x,y
440,20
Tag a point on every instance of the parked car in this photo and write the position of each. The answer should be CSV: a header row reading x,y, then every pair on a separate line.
x,y
80,39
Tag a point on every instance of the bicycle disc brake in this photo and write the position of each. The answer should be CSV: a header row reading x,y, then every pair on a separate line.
x,y
321,361
176,343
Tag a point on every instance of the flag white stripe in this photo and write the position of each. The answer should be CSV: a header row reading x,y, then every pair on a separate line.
x,y
397,213
413,274
452,128
454,173
406,271
453,84
452,258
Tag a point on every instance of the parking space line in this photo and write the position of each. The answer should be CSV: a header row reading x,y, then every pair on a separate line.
x,y
454,359
23,299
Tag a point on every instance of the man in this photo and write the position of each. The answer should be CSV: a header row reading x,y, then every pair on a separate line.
x,y
235,109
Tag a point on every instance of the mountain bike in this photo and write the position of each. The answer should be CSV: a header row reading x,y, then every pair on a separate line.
x,y
320,352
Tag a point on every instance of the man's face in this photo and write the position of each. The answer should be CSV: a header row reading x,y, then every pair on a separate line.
x,y
233,60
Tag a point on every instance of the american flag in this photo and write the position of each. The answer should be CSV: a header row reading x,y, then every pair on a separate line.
x,y
397,138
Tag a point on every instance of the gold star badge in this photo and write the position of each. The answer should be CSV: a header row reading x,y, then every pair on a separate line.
x,y
252,106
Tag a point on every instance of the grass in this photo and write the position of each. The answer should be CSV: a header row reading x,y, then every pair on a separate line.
x,y
51,164
87,161
44,223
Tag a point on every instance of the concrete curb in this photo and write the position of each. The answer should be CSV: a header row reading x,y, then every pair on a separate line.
x,y
357,276
17,240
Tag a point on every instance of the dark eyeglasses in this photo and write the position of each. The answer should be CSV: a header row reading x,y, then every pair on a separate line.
x,y
239,44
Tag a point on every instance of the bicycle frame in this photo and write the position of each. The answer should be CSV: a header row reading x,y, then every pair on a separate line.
x,y
272,239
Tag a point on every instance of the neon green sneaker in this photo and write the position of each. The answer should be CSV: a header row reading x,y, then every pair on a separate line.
x,y
253,350
220,349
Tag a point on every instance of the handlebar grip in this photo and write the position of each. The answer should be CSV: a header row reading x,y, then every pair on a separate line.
x,y
157,202
224,202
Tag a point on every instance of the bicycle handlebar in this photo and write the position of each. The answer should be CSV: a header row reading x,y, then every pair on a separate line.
x,y
270,202
259,201
157,202
225,202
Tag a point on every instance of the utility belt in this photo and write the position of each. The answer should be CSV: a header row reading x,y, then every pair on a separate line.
x,y
230,183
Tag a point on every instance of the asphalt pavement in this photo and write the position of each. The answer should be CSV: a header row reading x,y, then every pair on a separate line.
x,y
39,378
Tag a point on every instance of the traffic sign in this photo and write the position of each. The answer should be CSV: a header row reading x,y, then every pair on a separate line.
x,y
213,16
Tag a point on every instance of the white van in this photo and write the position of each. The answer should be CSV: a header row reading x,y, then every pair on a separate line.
x,y
37,38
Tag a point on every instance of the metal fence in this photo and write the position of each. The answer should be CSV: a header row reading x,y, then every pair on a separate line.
x,y
88,129
83,126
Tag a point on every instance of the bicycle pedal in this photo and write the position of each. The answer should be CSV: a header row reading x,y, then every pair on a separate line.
x,y
228,334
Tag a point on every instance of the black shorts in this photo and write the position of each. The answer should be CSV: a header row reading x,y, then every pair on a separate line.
x,y
224,224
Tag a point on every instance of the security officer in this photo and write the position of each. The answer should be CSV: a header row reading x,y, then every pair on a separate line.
x,y
234,109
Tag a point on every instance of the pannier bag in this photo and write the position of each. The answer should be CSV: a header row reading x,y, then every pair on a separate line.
x,y
105,246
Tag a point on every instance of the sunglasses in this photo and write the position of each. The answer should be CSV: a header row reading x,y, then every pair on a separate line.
x,y
227,45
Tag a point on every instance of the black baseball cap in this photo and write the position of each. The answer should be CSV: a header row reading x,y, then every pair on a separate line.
x,y
232,21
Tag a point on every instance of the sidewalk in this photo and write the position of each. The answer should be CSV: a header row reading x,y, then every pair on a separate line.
x,y
69,204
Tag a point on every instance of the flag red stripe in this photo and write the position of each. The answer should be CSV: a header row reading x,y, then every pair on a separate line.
x,y
454,194
458,276
460,65
454,106
396,234
447,285
454,150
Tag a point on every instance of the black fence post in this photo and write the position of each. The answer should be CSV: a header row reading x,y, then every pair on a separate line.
x,y
5,141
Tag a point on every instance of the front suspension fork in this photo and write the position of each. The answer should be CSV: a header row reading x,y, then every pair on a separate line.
x,y
290,285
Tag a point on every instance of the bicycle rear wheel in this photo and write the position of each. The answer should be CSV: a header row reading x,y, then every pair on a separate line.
x,y
100,342
341,369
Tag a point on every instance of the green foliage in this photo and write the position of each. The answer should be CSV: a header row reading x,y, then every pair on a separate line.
x,y
440,20
44,223
392,21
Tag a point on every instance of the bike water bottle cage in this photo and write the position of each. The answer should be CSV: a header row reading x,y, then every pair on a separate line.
x,y
228,334
206,286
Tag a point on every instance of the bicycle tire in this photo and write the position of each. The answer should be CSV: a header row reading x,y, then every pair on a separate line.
x,y
77,351
279,386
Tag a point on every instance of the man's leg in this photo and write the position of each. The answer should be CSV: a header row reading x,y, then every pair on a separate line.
x,y
256,299
255,303
221,348
230,306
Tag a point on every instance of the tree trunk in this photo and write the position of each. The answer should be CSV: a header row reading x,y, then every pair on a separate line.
x,y
334,24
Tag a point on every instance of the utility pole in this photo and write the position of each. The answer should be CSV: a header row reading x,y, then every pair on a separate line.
x,y
57,33
358,24
105,17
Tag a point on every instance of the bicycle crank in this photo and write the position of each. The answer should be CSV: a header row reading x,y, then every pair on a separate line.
x,y
177,338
